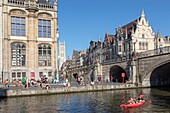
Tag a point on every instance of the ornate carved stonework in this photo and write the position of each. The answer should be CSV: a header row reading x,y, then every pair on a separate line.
x,y
44,15
18,12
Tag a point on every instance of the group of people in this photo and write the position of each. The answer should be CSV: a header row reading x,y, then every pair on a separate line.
x,y
25,82
137,100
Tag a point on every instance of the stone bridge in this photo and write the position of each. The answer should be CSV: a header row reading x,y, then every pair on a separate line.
x,y
149,69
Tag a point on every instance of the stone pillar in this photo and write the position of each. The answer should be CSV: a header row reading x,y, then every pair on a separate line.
x,y
31,51
133,72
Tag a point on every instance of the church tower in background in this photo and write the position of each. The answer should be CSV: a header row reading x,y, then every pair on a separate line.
x,y
62,53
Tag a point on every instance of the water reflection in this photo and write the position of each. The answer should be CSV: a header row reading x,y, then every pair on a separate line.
x,y
91,102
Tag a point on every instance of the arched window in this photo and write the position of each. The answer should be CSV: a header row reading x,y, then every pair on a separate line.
x,y
140,45
18,54
142,22
44,55
143,36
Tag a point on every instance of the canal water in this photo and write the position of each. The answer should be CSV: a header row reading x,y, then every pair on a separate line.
x,y
157,101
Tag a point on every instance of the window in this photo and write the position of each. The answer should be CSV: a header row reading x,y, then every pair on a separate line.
x,y
146,46
140,45
143,46
40,74
49,74
44,28
142,22
18,26
18,54
18,75
143,36
23,74
120,49
13,75
44,55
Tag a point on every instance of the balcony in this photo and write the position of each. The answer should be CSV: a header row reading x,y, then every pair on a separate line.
x,y
30,5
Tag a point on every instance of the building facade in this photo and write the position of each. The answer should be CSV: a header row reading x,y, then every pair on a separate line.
x,y
129,40
30,39
1,38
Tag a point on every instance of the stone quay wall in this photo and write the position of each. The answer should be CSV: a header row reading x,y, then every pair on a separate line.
x,y
63,90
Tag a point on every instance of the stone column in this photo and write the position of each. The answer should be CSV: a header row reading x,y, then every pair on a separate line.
x,y
31,51
133,72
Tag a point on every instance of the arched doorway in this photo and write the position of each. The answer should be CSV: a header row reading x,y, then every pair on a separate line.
x,y
75,75
115,74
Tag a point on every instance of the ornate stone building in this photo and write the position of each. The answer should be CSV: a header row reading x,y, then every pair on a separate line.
x,y
130,39
29,36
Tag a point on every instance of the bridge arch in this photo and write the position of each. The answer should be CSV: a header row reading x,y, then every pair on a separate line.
x,y
116,72
159,75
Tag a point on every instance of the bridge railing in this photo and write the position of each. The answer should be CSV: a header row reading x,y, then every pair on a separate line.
x,y
158,51
113,61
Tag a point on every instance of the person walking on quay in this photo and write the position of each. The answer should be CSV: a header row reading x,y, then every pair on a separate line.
x,y
26,83
23,80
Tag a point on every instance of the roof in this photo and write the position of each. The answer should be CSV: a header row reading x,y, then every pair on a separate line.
x,y
128,27
109,37
75,54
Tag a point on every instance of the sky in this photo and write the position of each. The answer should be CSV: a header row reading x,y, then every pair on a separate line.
x,y
81,21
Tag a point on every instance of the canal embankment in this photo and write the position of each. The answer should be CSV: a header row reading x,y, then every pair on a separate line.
x,y
18,92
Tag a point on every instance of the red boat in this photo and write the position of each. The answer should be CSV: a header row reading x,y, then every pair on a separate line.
x,y
133,105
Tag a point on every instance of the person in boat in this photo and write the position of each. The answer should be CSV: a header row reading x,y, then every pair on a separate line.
x,y
132,101
140,98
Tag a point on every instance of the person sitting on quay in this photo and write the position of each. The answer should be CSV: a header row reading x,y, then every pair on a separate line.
x,y
33,82
6,82
92,83
65,83
129,81
88,85
19,82
15,82
46,86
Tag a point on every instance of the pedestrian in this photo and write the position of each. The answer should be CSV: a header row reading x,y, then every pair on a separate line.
x,y
27,82
23,81
160,48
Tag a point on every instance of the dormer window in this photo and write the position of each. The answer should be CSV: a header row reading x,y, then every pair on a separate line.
x,y
142,22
